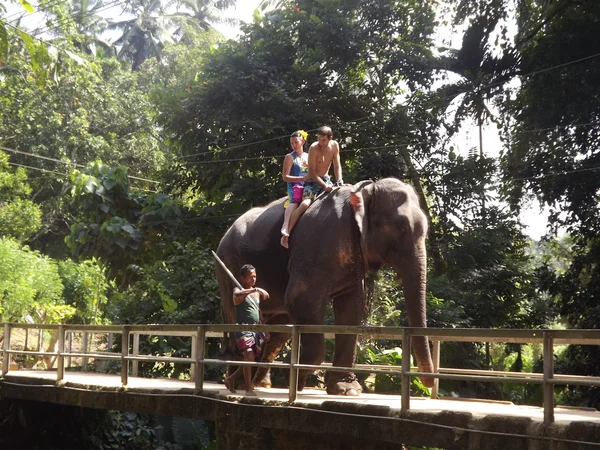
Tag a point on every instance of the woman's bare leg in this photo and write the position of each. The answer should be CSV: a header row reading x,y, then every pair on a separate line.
x,y
285,234
299,211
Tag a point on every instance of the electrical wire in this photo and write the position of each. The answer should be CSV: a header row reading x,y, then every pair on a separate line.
x,y
12,150
23,12
384,147
107,6
37,168
447,97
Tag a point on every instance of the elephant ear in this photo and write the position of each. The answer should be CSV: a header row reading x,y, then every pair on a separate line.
x,y
359,199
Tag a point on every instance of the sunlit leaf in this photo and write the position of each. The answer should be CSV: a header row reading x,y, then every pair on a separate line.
x,y
28,6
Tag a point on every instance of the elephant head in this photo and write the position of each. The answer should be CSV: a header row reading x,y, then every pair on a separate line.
x,y
393,230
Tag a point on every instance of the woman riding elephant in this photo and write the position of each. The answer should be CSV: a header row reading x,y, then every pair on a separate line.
x,y
344,234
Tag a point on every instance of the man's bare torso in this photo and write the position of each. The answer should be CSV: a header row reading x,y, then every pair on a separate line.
x,y
324,156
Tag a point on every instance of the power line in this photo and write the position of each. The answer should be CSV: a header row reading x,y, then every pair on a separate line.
x,y
67,52
384,147
447,97
233,147
556,174
105,7
18,13
63,175
12,150
37,168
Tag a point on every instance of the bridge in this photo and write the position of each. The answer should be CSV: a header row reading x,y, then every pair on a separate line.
x,y
286,418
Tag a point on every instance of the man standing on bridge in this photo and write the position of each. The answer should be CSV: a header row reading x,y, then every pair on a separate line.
x,y
247,311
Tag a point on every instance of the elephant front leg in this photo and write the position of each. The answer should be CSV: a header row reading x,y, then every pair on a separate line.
x,y
347,311
312,352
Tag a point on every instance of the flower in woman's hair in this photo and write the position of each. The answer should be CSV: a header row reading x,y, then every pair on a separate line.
x,y
302,133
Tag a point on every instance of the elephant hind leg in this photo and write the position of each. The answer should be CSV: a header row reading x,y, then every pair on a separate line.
x,y
273,346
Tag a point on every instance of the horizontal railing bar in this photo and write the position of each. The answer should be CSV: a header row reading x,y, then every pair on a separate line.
x,y
583,336
98,329
103,355
492,379
22,352
243,363
173,359
499,373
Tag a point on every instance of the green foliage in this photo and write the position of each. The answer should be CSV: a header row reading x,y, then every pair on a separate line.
x,y
85,288
179,289
30,284
290,70
388,383
118,227
20,217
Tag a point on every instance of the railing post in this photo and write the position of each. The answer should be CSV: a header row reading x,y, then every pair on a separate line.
x,y
194,355
436,367
548,375
405,390
86,346
135,351
198,351
5,349
293,389
70,333
124,354
60,359
40,347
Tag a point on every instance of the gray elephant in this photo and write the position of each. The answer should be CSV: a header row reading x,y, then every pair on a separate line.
x,y
343,234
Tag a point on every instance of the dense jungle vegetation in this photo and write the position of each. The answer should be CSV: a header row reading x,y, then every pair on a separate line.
x,y
132,134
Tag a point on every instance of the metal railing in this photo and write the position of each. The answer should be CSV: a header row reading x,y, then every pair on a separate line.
x,y
130,356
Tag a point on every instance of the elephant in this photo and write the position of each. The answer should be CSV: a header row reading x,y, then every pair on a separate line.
x,y
343,234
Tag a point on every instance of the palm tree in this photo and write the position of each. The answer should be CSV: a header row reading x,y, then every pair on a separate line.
x,y
201,14
153,23
91,24
143,33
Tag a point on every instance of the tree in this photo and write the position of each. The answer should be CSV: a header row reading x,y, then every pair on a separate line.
x,y
95,111
122,229
30,284
85,288
299,67
20,218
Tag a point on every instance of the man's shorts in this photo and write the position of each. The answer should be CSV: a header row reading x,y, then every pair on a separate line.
x,y
249,340
312,189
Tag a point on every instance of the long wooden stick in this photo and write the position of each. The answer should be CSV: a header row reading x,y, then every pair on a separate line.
x,y
227,271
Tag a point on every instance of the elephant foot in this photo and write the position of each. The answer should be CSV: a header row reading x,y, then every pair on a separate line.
x,y
348,386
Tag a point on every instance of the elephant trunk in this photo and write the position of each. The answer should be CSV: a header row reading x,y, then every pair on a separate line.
x,y
413,270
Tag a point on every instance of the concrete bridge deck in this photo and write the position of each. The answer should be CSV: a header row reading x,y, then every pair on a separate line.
x,y
368,421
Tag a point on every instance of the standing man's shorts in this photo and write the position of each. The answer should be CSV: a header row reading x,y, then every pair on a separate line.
x,y
248,340
312,189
